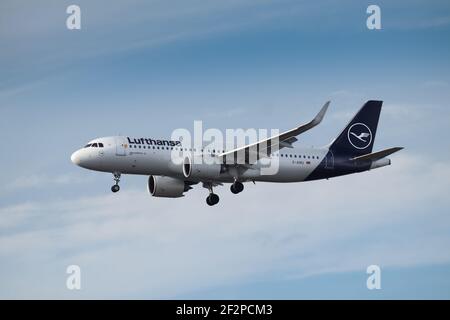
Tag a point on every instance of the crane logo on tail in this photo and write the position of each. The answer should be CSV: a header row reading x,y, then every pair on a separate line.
x,y
359,135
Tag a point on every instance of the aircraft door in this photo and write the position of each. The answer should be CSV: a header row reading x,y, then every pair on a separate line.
x,y
329,160
121,146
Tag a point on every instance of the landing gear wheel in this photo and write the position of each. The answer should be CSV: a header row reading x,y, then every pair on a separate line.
x,y
237,187
116,178
212,199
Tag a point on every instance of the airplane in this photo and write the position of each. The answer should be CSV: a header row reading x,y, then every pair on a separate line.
x,y
351,152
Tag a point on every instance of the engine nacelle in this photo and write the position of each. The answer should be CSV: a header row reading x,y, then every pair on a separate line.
x,y
160,186
200,170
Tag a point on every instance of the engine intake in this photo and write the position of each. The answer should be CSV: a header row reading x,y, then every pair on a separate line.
x,y
161,186
197,170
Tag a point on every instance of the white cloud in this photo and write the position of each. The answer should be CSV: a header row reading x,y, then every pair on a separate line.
x,y
159,23
433,22
435,84
132,245
38,180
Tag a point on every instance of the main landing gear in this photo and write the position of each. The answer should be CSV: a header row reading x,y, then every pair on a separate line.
x,y
213,198
116,178
237,187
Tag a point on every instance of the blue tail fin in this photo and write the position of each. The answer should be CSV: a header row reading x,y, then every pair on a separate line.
x,y
358,136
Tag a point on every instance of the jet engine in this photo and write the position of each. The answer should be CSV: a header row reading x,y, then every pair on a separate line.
x,y
198,170
161,186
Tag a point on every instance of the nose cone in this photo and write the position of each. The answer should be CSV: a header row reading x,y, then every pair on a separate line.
x,y
76,157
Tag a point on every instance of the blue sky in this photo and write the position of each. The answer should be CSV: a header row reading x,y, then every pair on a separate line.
x,y
149,67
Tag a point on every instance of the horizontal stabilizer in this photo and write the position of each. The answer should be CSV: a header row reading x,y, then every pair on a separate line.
x,y
377,155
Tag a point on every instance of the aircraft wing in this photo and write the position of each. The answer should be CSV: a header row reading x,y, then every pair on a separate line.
x,y
377,155
251,153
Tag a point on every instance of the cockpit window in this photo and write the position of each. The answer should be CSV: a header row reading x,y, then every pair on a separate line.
x,y
94,145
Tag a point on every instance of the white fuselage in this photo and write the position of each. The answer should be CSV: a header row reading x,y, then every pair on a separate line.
x,y
118,155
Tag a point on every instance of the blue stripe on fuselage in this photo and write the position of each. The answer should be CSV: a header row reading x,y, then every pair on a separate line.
x,y
341,166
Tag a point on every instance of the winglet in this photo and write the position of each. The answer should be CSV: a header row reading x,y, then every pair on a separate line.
x,y
314,122
319,117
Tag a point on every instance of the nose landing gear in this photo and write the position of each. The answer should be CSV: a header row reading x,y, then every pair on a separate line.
x,y
115,188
